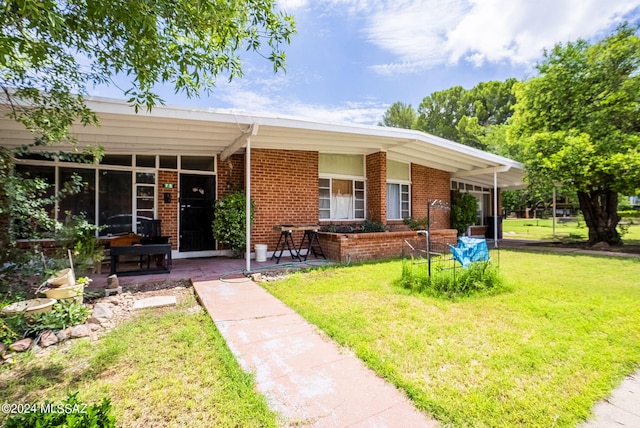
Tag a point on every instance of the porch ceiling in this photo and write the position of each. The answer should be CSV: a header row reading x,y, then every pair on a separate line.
x,y
176,130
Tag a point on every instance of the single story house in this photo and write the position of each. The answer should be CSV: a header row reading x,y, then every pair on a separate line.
x,y
172,163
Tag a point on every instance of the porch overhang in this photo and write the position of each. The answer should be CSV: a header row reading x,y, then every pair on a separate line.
x,y
169,130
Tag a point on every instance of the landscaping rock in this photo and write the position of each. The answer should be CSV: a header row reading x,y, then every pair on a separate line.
x,y
3,348
62,335
155,302
114,300
80,331
48,338
93,327
102,310
21,345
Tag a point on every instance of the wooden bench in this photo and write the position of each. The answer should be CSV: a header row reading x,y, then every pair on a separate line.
x,y
164,266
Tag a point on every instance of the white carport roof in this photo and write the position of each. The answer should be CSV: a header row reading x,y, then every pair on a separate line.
x,y
170,130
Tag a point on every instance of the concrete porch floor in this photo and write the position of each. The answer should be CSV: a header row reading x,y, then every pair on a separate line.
x,y
205,269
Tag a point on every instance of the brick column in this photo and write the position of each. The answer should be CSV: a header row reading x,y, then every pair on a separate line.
x,y
377,187
168,211
428,184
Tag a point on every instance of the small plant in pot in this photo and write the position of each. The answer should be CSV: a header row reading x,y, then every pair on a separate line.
x,y
229,221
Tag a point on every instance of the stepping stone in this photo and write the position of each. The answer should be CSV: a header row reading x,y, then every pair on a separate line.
x,y
155,302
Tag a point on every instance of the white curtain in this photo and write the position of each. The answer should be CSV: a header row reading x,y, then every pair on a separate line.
x,y
393,201
341,206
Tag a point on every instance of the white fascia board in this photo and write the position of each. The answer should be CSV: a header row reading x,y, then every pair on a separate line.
x,y
394,136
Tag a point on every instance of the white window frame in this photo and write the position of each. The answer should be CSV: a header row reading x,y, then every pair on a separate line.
x,y
354,210
400,183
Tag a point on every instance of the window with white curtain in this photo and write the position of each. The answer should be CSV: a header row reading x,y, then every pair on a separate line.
x,y
398,190
342,187
398,206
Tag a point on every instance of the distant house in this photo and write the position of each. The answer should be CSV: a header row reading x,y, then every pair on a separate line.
x,y
171,164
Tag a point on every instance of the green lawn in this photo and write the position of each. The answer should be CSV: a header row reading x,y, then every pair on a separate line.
x,y
542,229
539,355
169,369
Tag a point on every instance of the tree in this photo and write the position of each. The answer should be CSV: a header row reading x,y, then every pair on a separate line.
x,y
578,124
51,52
399,115
465,116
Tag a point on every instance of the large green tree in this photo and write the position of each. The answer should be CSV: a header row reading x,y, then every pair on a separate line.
x,y
578,123
399,115
465,116
52,52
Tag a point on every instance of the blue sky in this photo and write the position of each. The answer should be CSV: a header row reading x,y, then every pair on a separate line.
x,y
351,59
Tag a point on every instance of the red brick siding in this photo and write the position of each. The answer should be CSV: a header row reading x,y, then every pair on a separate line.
x,y
428,184
377,187
284,188
168,212
367,246
230,175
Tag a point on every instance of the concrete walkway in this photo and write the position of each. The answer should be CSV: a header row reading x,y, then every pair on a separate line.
x,y
621,409
305,376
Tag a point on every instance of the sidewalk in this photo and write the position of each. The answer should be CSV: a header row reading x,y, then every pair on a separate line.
x,y
621,409
305,376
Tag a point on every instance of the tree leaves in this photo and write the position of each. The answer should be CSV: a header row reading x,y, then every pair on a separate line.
x,y
51,52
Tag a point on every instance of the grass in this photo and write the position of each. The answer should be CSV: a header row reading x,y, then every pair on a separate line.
x,y
166,368
538,356
542,229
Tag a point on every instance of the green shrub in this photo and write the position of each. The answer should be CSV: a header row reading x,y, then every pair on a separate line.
x,y
372,226
478,278
416,224
629,214
62,315
464,211
229,221
70,413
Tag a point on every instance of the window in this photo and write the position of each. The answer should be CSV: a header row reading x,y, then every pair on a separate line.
x,y
398,201
398,190
341,199
114,202
341,187
197,163
82,202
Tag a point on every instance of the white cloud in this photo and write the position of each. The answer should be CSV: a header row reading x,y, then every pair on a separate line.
x,y
263,96
291,5
425,33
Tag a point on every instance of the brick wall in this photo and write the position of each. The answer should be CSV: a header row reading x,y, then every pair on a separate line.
x,y
168,212
377,187
284,188
367,246
230,175
428,184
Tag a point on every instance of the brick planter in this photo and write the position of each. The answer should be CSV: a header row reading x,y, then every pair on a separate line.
x,y
355,247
